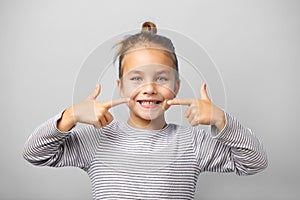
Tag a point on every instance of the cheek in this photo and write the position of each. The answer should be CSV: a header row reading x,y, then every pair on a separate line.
x,y
168,89
168,94
130,90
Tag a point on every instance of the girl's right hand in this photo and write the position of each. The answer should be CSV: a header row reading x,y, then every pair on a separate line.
x,y
89,111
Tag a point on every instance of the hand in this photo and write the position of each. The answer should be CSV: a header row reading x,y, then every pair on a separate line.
x,y
89,111
201,111
96,113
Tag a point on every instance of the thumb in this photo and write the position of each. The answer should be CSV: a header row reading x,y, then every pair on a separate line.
x,y
96,92
203,92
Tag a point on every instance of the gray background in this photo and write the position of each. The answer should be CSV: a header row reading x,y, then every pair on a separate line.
x,y
255,45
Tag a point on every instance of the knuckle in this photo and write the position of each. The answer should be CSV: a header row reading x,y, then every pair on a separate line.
x,y
193,123
96,122
194,107
97,125
109,121
194,111
102,108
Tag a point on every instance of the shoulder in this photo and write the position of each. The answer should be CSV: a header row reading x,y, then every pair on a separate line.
x,y
196,133
184,128
191,131
86,130
112,128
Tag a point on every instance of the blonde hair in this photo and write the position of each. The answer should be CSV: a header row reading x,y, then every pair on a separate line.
x,y
147,38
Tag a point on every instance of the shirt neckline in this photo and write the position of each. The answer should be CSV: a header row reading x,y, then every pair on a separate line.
x,y
130,130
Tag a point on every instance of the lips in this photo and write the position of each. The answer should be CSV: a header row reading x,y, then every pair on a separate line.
x,y
149,103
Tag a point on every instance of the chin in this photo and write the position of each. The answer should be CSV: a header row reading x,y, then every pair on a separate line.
x,y
149,115
148,109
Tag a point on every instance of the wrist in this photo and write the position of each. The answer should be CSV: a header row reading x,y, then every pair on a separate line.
x,y
220,120
67,120
68,116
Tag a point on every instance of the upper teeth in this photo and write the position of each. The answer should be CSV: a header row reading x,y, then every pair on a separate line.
x,y
148,102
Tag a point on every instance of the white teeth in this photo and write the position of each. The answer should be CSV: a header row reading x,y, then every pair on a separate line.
x,y
147,102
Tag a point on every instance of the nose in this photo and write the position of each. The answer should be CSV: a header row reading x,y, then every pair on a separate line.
x,y
149,88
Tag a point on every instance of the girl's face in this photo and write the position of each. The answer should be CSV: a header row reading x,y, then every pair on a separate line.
x,y
149,80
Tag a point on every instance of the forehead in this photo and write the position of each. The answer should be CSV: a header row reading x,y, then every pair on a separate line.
x,y
142,57
150,70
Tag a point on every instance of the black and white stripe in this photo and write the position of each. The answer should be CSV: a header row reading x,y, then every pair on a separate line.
x,y
128,163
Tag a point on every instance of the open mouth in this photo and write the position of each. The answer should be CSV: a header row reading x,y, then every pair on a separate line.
x,y
148,102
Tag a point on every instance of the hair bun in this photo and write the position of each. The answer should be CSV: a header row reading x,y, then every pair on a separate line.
x,y
149,27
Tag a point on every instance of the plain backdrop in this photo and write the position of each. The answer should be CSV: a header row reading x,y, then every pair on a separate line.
x,y
255,45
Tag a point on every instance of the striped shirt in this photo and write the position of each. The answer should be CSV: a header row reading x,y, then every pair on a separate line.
x,y
129,163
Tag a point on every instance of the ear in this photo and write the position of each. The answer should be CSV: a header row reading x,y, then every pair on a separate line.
x,y
177,86
119,84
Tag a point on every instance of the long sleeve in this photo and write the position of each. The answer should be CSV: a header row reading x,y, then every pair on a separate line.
x,y
47,146
233,149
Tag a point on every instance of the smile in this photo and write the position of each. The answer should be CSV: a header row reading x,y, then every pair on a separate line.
x,y
149,103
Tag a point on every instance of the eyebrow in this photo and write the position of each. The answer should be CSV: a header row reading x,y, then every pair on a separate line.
x,y
136,72
163,72
142,72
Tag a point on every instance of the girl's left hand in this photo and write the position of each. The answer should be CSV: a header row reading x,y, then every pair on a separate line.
x,y
202,111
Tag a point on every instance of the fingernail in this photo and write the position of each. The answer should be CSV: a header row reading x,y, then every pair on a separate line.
x,y
204,85
169,101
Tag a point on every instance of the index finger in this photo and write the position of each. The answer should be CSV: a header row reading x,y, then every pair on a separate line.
x,y
110,104
186,102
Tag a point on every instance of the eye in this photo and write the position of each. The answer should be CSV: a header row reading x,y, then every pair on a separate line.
x,y
161,79
136,78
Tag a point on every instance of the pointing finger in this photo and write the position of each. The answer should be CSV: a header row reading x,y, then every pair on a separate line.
x,y
186,102
110,104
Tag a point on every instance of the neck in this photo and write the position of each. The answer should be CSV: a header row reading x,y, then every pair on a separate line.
x,y
154,124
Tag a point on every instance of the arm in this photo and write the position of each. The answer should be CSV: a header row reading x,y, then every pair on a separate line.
x,y
55,142
234,149
48,146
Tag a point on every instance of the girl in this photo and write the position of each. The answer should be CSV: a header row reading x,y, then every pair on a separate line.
x,y
145,157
